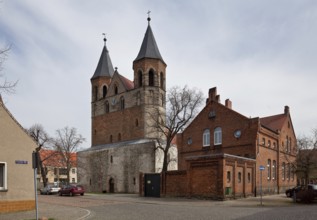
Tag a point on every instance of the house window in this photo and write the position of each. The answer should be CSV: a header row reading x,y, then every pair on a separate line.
x,y
239,177
206,138
274,145
274,170
151,78
268,169
228,176
122,103
263,141
288,171
136,122
3,176
140,78
217,136
111,159
104,91
73,171
73,180
249,177
269,143
283,171
292,172
110,138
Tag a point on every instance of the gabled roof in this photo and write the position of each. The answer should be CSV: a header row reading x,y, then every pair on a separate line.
x,y
149,47
104,67
51,158
274,122
128,84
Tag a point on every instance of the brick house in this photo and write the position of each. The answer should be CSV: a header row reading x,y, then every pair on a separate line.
x,y
124,141
56,168
16,173
221,151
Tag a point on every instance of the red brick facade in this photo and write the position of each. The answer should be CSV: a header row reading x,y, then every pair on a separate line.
x,y
242,144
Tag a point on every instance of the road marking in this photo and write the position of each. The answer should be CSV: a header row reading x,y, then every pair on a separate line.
x,y
85,216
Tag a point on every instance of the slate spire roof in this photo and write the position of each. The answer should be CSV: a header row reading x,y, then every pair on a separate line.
x,y
104,67
149,47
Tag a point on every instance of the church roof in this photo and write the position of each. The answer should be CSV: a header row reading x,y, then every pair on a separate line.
x,y
128,84
149,47
104,67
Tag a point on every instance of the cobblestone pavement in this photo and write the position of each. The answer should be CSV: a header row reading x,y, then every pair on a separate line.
x,y
131,206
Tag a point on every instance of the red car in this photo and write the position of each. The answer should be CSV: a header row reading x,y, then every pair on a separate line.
x,y
71,190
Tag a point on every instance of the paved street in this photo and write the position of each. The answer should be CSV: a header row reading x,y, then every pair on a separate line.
x,y
127,206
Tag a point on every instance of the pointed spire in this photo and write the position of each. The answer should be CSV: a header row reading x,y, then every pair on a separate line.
x,y
104,67
149,47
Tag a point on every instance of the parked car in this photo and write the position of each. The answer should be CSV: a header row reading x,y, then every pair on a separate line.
x,y
290,192
71,190
307,194
50,189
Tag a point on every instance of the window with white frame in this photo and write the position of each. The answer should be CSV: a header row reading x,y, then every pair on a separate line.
x,y
206,138
269,169
274,170
217,136
3,175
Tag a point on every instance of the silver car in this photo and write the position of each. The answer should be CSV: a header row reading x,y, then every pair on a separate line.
x,y
50,189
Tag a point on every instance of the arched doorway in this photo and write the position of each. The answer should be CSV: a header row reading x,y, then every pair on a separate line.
x,y
111,185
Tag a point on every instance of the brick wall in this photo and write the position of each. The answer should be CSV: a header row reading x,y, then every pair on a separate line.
x,y
15,206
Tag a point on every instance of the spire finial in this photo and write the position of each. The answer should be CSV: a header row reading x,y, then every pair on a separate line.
x,y
148,16
104,38
116,68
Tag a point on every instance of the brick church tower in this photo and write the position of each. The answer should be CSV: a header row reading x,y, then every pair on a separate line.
x,y
121,108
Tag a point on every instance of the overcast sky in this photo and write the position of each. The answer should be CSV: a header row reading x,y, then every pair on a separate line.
x,y
262,55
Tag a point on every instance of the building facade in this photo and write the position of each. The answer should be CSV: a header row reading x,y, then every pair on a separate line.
x,y
16,173
56,168
122,127
229,149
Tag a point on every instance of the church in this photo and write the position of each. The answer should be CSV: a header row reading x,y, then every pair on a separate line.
x,y
124,141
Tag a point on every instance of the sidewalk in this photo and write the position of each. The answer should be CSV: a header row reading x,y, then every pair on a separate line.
x,y
49,211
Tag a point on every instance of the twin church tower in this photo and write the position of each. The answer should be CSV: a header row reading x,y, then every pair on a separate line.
x,y
120,106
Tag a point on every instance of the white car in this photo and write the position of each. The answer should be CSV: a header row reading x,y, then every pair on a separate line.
x,y
50,189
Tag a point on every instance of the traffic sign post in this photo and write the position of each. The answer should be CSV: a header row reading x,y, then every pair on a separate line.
x,y
261,169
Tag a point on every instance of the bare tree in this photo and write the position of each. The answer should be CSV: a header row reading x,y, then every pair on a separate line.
x,y
67,142
5,86
306,161
43,140
182,105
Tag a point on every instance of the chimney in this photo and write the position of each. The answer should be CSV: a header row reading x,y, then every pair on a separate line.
x,y
218,98
228,103
212,94
286,110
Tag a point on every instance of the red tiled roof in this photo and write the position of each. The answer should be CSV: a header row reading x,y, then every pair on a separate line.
x,y
53,158
128,84
274,122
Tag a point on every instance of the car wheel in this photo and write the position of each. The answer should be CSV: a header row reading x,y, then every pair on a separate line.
x,y
82,194
288,194
60,193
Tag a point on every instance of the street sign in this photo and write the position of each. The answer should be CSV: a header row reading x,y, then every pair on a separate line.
x,y
262,167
